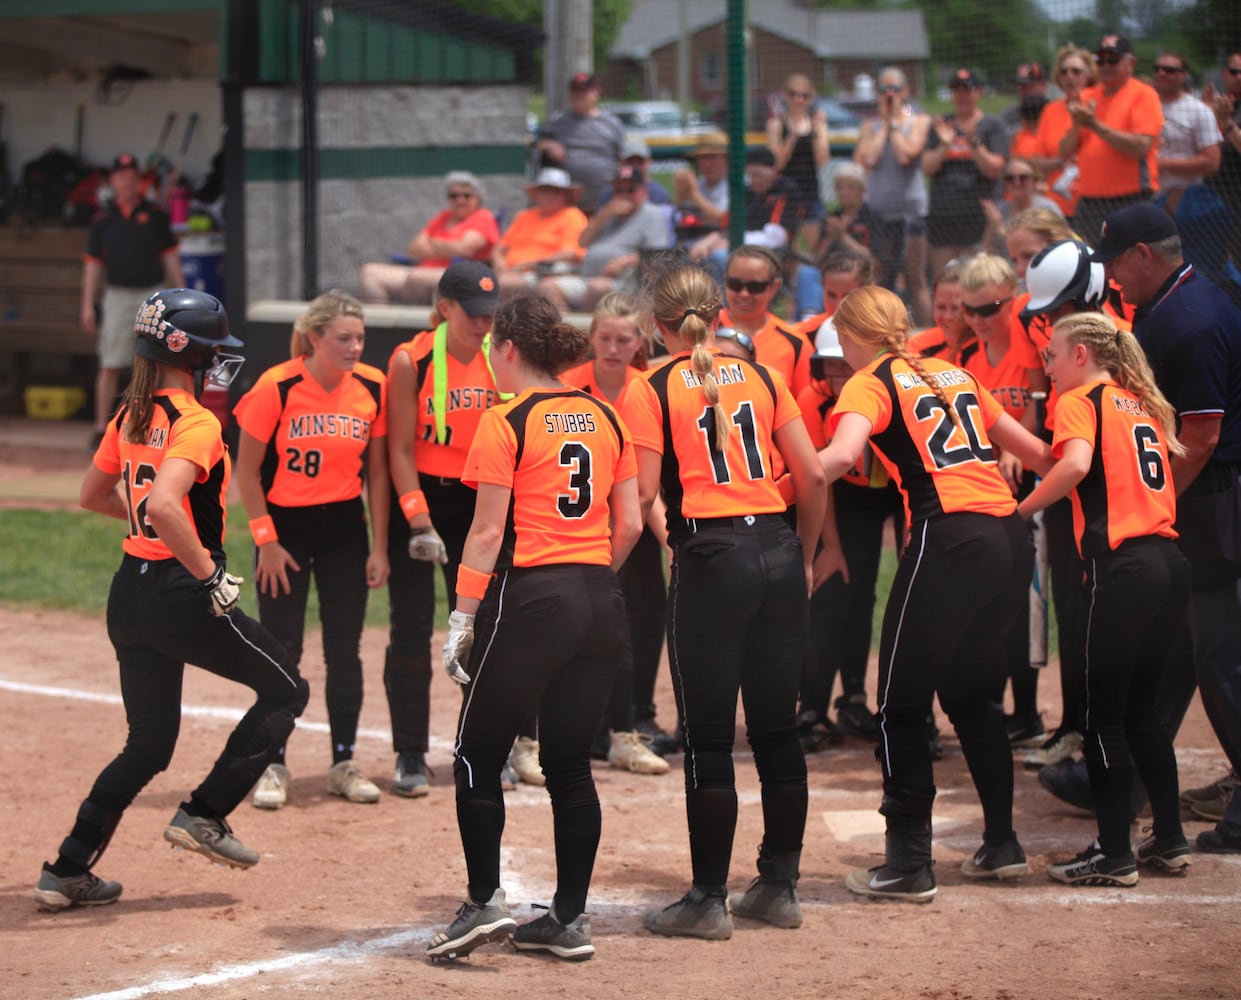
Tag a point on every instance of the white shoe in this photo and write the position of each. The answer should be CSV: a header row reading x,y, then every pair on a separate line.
x,y
629,752
346,779
525,761
272,791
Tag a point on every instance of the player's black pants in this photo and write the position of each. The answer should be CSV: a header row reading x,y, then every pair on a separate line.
x,y
1133,600
646,598
411,595
841,614
330,543
159,619
960,585
1065,565
737,609
547,640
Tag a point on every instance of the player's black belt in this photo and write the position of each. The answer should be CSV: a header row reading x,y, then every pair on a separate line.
x,y
741,524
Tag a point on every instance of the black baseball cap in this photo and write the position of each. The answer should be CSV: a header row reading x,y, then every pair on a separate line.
x,y
630,174
964,78
1031,72
125,161
583,81
1115,43
1131,225
471,284
760,156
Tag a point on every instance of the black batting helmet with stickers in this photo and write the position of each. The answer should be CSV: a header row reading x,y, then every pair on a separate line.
x,y
187,329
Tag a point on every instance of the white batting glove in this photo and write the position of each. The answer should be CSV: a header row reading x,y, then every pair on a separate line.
x,y
425,545
224,589
458,645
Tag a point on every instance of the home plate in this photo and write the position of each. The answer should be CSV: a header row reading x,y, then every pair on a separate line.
x,y
860,824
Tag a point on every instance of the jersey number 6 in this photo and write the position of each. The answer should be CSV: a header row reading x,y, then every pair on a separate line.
x,y
1150,459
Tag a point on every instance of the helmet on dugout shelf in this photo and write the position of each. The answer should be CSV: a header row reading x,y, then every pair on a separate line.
x,y
187,329
1063,272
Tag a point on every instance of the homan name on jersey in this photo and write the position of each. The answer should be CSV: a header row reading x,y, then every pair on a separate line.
x,y
312,425
725,374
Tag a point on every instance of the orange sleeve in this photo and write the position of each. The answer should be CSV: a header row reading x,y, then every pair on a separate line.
x,y
258,411
640,411
814,409
863,394
493,454
1075,418
787,409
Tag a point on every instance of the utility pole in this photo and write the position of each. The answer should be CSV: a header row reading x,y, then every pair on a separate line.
x,y
570,29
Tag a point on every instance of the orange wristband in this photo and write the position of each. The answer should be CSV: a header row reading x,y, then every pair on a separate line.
x,y
472,583
414,503
262,530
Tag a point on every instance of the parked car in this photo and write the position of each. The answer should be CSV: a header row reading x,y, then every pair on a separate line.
x,y
658,118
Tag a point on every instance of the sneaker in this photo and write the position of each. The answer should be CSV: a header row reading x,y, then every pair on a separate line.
x,y
1210,803
772,902
1093,867
1171,855
660,742
1059,746
853,718
508,777
525,761
211,837
1221,840
59,892
629,752
1005,862
410,777
345,778
1068,784
696,915
476,925
569,941
816,732
1024,734
884,883
1211,792
272,791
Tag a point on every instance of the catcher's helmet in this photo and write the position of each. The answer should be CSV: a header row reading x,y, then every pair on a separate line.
x,y
1064,272
186,329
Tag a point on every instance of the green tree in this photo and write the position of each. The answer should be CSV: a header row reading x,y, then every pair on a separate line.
x,y
990,38
610,15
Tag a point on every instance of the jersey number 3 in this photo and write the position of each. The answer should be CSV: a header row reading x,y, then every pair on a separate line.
x,y
576,503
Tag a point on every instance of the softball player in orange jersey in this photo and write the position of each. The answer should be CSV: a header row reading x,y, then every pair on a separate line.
x,y
959,586
310,427
557,512
704,425
172,601
1114,432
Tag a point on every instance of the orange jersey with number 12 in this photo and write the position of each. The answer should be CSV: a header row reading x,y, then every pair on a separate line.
x,y
940,466
560,452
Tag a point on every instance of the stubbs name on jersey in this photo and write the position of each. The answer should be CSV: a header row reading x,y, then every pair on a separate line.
x,y
569,423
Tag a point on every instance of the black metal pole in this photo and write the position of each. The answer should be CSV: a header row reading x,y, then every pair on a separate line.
x,y
737,115
310,150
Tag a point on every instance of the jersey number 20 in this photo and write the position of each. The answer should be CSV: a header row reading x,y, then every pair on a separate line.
x,y
966,405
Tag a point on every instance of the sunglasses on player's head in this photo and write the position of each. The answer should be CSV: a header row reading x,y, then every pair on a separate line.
x,y
988,310
753,287
742,340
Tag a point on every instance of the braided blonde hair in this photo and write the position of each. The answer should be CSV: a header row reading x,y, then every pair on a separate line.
x,y
1120,353
687,300
877,318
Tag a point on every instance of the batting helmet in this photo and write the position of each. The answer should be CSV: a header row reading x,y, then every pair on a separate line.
x,y
186,329
1061,273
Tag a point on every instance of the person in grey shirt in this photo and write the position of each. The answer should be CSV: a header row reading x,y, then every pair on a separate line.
x,y
583,140
614,238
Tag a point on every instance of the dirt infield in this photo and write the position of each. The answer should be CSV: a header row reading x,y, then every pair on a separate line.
x,y
347,896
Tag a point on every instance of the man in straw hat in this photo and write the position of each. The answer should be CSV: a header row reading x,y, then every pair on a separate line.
x,y
542,238
704,194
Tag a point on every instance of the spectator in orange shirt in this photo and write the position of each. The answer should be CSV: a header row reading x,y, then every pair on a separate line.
x,y
463,230
542,236
1114,134
1075,70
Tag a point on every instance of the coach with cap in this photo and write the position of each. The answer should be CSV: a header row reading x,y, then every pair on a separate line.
x,y
636,153
131,243
1191,332
583,140
1114,135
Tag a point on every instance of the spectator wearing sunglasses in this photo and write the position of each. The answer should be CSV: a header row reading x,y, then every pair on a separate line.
x,y
751,281
463,230
1022,181
583,140
1189,152
1075,70
1225,102
797,136
1114,135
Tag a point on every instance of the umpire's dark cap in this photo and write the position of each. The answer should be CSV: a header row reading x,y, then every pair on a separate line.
x,y
473,286
1131,225
125,161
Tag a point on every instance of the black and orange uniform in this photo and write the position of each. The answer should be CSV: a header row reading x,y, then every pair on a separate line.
x,y
444,434
160,618
646,598
931,343
958,589
737,601
551,629
312,477
1135,592
782,348
841,614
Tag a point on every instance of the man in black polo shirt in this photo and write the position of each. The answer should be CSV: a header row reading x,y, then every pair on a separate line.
x,y
131,242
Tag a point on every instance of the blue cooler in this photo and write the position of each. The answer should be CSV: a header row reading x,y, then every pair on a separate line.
x,y
202,261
